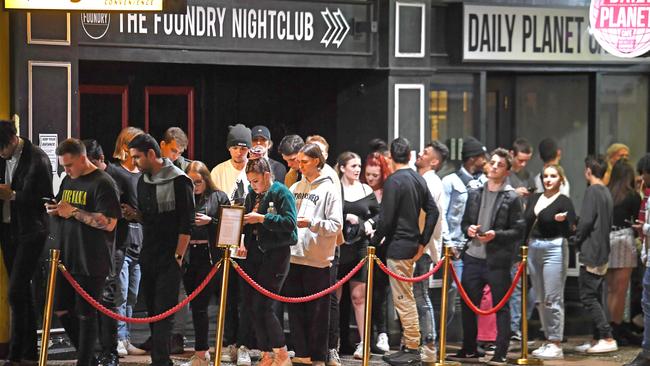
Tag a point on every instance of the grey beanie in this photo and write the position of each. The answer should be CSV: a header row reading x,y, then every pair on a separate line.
x,y
239,135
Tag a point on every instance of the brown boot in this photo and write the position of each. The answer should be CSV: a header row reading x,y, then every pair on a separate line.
x,y
281,357
266,360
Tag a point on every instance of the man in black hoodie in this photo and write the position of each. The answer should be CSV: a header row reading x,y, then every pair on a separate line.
x,y
25,177
493,221
405,194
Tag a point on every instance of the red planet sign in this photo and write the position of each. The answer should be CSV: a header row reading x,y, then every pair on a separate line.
x,y
621,27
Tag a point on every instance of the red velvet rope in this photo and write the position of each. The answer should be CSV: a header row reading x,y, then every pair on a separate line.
x,y
409,279
295,300
151,319
501,303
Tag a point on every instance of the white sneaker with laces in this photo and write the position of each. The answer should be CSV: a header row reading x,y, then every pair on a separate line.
x,y
539,350
428,353
333,358
550,351
583,347
243,357
603,346
358,353
382,342
229,353
121,348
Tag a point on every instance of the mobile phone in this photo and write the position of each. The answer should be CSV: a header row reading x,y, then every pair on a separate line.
x,y
49,200
531,189
480,233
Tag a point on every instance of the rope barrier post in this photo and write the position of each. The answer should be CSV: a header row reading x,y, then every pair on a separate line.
x,y
443,313
222,303
367,326
524,360
49,299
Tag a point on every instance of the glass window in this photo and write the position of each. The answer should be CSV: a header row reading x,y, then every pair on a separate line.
x,y
556,106
623,113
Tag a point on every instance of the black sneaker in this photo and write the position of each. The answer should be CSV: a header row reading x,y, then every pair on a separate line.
x,y
403,357
107,359
176,344
498,361
464,356
639,360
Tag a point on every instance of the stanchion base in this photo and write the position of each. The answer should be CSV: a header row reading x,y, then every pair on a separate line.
x,y
528,361
447,363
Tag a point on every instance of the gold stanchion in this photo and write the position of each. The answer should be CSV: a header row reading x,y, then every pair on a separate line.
x,y
524,360
443,313
222,303
367,326
49,299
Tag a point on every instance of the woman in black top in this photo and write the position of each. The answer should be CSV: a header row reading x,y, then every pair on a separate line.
x,y
623,255
360,207
202,254
550,219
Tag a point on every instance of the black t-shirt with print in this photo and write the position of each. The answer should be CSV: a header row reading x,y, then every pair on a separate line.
x,y
86,250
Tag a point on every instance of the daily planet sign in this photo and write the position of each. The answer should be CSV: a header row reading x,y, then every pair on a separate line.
x,y
622,27
534,34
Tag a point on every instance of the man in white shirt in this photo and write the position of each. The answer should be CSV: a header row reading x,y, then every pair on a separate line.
x,y
229,176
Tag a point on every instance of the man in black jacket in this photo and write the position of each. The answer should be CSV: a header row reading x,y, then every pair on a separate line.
x,y
494,223
25,177
405,194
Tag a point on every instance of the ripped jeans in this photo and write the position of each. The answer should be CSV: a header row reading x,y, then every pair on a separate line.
x,y
547,263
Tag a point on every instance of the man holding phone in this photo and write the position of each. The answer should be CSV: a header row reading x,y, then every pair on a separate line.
x,y
493,221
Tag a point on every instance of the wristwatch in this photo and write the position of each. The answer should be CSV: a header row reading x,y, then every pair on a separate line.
x,y
178,257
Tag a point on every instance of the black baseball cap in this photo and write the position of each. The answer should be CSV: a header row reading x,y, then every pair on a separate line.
x,y
261,131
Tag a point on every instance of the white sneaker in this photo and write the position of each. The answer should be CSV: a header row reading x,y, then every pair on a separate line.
x,y
583,347
428,353
333,358
121,348
549,351
382,342
229,353
603,346
358,353
243,357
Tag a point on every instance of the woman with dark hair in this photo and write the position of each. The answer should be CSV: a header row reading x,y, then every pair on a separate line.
x,y
550,218
375,173
360,209
318,201
269,233
623,255
202,254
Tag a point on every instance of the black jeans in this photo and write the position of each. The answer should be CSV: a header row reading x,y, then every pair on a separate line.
x,y
21,261
160,284
309,322
269,270
591,294
80,319
475,276
198,268
380,294
334,331
107,325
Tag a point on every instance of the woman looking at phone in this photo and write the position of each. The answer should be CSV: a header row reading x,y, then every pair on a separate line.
x,y
550,220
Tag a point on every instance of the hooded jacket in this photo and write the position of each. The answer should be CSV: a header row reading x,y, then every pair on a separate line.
x,y
507,222
320,201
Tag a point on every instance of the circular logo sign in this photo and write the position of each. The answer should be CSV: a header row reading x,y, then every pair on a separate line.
x,y
621,27
95,24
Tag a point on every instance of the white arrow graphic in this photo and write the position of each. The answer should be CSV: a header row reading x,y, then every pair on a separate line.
x,y
337,27
329,20
340,19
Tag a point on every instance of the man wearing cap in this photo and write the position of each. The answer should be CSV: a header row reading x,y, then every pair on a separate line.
x,y
262,140
229,176
453,199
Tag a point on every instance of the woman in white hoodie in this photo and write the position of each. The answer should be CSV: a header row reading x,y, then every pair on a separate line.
x,y
320,218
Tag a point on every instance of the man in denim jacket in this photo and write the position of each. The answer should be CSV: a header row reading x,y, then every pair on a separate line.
x,y
452,201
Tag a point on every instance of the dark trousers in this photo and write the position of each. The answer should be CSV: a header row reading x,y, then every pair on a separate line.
x,y
80,318
380,295
21,261
309,322
238,329
107,325
269,270
160,284
334,331
475,276
591,294
198,268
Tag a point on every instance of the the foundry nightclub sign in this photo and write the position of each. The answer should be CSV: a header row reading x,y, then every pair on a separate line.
x,y
234,25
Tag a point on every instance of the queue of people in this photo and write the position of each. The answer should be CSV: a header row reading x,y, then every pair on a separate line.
x,y
148,222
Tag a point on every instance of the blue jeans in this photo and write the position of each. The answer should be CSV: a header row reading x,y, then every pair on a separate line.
x,y
548,262
452,293
127,294
423,302
515,303
645,303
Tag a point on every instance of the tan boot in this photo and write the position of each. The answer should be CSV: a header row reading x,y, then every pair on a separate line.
x,y
281,357
266,360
